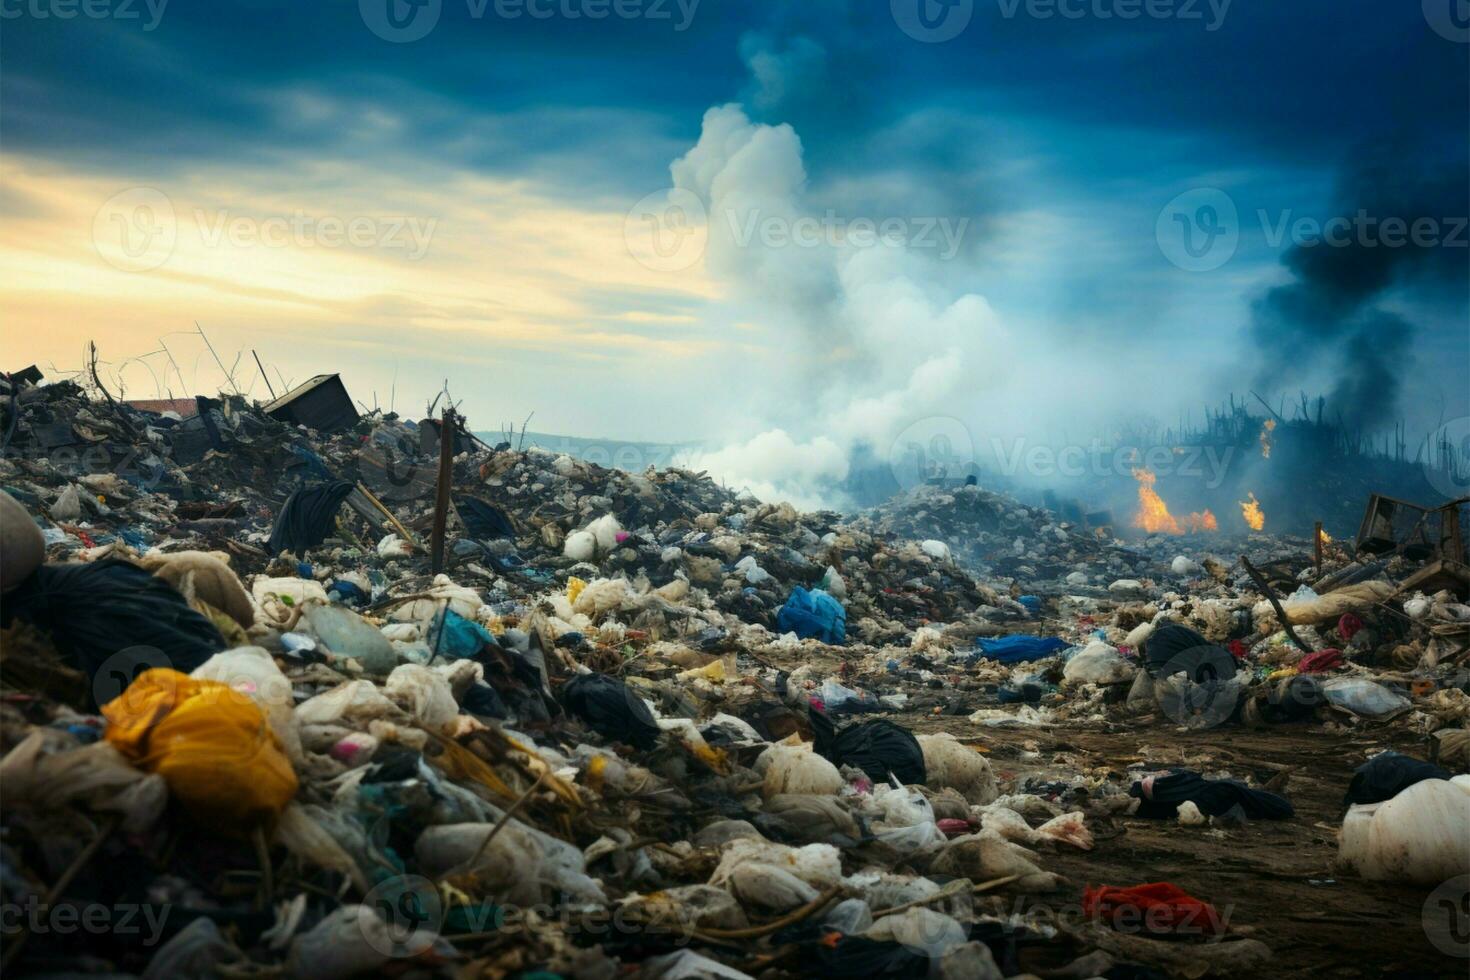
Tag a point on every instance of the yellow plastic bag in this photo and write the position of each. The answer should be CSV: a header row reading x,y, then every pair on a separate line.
x,y
210,743
574,589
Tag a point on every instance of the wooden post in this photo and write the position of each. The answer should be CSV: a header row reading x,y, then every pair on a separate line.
x,y
1317,544
441,500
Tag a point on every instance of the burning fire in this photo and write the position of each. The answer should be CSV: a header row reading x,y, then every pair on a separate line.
x,y
1323,536
1153,514
1251,511
1267,428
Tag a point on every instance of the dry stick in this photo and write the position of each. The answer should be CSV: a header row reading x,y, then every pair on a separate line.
x,y
228,374
267,874
79,862
397,601
948,892
500,824
97,380
269,387
397,526
1270,594
755,932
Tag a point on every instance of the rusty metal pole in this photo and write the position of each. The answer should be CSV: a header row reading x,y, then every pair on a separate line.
x,y
1317,542
441,499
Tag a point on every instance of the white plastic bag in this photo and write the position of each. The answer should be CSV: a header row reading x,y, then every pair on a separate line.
x,y
1363,697
1421,835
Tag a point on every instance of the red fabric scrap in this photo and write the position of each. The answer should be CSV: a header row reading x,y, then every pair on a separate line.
x,y
1349,625
1160,908
1238,649
954,827
1320,662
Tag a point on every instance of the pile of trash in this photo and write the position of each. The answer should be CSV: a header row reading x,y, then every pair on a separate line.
x,y
317,713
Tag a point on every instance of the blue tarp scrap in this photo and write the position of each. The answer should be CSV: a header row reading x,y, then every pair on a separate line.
x,y
813,615
1018,647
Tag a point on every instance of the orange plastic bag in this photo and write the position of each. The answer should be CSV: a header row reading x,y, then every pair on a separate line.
x,y
210,743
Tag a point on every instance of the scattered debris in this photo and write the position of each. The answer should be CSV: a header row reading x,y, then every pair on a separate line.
x,y
611,721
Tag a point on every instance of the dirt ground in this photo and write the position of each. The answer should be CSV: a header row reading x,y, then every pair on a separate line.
x,y
1275,879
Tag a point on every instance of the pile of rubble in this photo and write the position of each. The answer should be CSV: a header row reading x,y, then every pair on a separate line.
x,y
321,699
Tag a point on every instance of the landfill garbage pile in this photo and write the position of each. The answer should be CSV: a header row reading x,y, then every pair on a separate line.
x,y
634,724
996,534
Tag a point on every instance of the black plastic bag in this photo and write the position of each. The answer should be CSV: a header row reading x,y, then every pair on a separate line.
x,y
610,709
483,520
878,748
112,617
307,517
855,956
1214,797
483,700
1171,640
1388,774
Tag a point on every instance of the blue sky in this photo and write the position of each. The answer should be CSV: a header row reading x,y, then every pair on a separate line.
x,y
495,161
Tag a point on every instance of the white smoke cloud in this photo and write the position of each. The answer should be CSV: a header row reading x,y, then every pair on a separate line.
x,y
878,341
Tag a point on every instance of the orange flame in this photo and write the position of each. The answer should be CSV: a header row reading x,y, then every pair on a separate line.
x,y
1267,428
1153,514
1251,511
1324,536
1202,521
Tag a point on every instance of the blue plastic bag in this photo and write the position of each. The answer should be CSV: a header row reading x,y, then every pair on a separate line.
x,y
455,638
813,615
1018,647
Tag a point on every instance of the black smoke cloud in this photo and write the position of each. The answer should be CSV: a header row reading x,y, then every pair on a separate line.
x,y
1330,315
